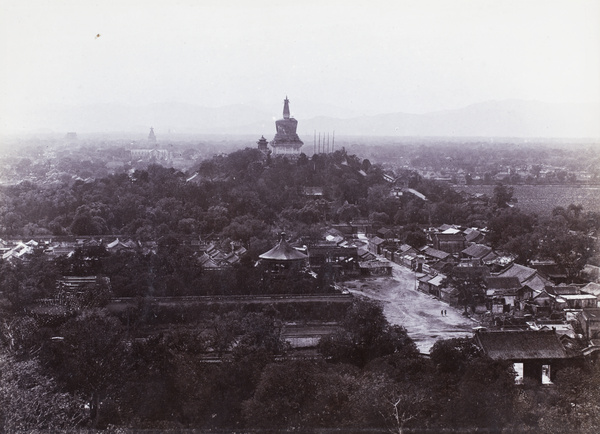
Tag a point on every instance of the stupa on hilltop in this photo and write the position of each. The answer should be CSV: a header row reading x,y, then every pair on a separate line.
x,y
286,140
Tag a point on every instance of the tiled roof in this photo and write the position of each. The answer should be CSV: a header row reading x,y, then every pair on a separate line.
x,y
435,253
522,272
376,241
521,345
477,251
592,288
503,283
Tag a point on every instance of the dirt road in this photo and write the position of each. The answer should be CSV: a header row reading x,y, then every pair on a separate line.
x,y
419,313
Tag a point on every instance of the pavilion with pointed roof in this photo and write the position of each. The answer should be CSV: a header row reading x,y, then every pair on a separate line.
x,y
283,258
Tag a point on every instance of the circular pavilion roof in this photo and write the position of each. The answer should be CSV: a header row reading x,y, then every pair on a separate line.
x,y
283,252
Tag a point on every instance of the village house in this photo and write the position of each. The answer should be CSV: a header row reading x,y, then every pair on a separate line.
x,y
479,253
343,260
571,297
589,319
375,267
376,245
550,270
526,275
433,255
593,289
449,242
504,294
473,235
432,284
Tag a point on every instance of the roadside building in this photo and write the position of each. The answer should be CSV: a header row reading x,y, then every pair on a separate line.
x,y
376,245
376,267
432,284
505,293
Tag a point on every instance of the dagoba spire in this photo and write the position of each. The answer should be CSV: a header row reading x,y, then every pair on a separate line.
x,y
286,108
286,140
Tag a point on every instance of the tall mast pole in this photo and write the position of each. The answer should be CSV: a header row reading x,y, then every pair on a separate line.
x,y
333,142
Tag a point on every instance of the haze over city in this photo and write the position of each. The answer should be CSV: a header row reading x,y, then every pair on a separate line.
x,y
68,61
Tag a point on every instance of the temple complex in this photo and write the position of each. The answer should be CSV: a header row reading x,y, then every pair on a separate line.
x,y
286,141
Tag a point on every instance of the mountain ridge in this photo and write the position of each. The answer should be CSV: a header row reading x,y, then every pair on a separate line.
x,y
494,118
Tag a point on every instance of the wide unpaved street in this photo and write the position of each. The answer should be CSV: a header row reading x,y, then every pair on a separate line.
x,y
419,313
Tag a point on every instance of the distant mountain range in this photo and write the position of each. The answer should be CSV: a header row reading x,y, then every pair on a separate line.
x,y
509,118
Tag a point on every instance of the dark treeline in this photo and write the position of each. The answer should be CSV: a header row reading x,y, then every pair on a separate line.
x,y
239,195
87,372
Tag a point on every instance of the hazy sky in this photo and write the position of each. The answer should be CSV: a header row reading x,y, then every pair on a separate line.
x,y
370,56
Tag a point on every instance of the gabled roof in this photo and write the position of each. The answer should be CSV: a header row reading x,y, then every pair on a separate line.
x,y
503,283
592,288
472,235
477,251
521,345
522,272
283,252
490,257
437,280
449,236
435,253
451,231
365,255
405,248
376,241
562,290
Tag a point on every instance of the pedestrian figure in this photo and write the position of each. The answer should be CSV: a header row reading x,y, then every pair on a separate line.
x,y
442,312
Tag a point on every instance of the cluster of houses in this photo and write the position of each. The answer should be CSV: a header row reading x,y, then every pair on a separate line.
x,y
66,246
510,296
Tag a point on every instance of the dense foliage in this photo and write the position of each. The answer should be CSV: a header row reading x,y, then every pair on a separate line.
x,y
232,372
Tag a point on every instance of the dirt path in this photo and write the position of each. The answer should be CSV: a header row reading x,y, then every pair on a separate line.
x,y
418,312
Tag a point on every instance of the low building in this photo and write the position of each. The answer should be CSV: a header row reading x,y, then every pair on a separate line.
x,y
434,255
342,259
376,245
477,252
536,354
432,284
589,319
448,242
504,293
526,275
376,267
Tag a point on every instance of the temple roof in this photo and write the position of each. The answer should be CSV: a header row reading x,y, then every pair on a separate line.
x,y
283,252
